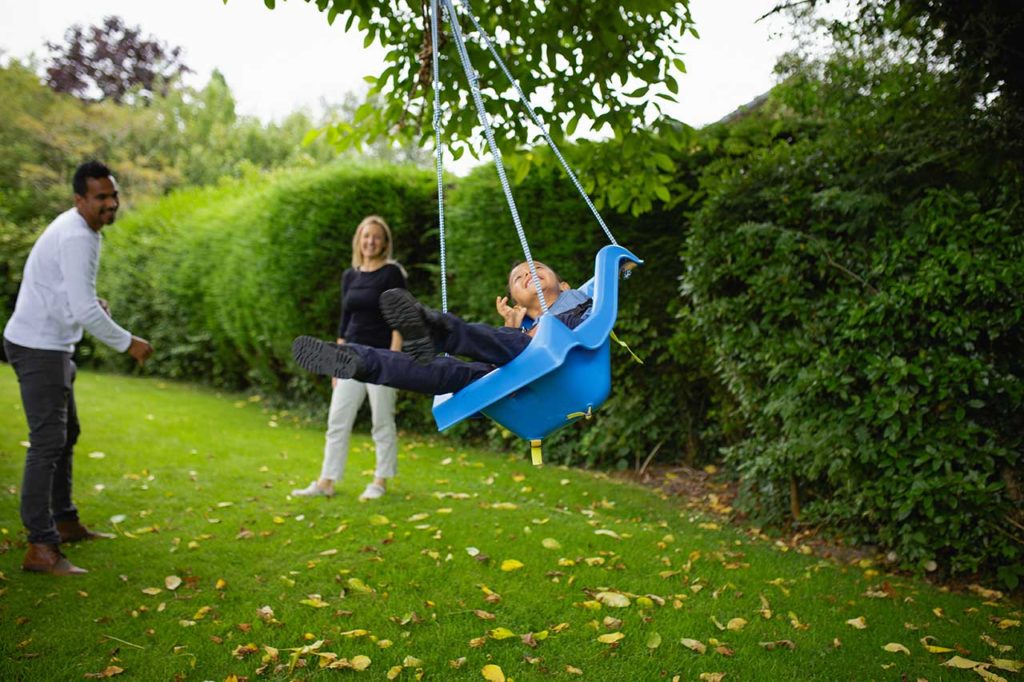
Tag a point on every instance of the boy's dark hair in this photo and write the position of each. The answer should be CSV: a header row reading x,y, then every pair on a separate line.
x,y
517,263
89,169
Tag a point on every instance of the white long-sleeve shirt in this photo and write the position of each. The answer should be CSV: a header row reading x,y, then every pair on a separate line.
x,y
57,298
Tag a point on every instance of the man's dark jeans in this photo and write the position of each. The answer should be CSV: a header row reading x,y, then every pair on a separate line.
x,y
46,378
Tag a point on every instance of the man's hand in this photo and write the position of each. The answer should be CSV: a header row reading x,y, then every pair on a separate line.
x,y
513,315
104,305
140,350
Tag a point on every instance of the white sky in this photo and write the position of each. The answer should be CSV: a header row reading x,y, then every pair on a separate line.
x,y
278,61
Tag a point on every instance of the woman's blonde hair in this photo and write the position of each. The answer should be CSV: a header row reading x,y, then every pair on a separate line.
x,y
357,256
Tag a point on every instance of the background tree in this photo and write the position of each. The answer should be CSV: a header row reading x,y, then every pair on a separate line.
x,y
595,66
112,61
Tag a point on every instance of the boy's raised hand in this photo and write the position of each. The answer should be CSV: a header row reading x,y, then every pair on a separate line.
x,y
513,315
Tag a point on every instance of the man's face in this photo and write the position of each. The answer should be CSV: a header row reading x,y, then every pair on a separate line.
x,y
100,203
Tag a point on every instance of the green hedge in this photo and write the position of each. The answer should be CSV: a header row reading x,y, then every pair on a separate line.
x,y
222,279
862,286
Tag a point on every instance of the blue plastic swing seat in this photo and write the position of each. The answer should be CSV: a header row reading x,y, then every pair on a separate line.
x,y
561,376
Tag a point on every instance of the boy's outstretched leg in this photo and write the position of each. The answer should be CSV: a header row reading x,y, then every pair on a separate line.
x,y
414,321
329,359
427,332
386,368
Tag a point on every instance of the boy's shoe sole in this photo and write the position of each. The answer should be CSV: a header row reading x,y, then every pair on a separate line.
x,y
324,357
403,313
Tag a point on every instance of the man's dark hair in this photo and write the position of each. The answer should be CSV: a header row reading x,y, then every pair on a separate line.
x,y
89,169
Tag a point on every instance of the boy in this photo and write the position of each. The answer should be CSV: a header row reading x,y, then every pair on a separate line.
x,y
426,332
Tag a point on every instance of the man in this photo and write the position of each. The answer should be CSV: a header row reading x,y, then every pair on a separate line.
x,y
56,301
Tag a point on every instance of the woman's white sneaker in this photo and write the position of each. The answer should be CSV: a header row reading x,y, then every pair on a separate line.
x,y
372,492
312,490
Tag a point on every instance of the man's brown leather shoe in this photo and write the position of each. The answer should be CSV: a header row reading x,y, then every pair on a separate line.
x,y
48,559
73,531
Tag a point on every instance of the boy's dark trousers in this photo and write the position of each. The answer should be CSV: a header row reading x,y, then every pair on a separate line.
x,y
489,347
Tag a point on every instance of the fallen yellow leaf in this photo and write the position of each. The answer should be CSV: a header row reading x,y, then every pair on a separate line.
x,y
614,599
736,624
961,663
987,674
109,671
859,622
694,645
610,638
511,565
931,648
1007,664
551,543
501,633
795,622
353,633
492,673
315,601
896,648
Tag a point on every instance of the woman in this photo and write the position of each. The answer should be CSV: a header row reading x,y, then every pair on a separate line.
x,y
373,272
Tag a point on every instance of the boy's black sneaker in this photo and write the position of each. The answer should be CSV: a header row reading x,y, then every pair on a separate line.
x,y
417,323
324,357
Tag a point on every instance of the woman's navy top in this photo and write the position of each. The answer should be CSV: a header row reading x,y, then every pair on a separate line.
x,y
361,321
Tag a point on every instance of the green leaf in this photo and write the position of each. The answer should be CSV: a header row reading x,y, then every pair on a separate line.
x,y
310,136
573,122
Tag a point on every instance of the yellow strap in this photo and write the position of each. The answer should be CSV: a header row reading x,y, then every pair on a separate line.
x,y
535,453
576,415
622,343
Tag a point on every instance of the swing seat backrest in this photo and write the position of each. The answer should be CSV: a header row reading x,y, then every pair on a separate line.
x,y
561,376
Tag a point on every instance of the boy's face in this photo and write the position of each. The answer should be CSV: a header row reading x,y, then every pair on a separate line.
x,y
522,290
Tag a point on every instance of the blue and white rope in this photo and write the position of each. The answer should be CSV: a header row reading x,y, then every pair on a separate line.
x,y
435,19
536,120
474,87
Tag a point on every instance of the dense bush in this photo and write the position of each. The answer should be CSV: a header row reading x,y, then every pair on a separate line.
x,y
660,407
222,279
184,137
862,285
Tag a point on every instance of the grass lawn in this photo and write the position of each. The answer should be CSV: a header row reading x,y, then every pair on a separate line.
x,y
473,559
